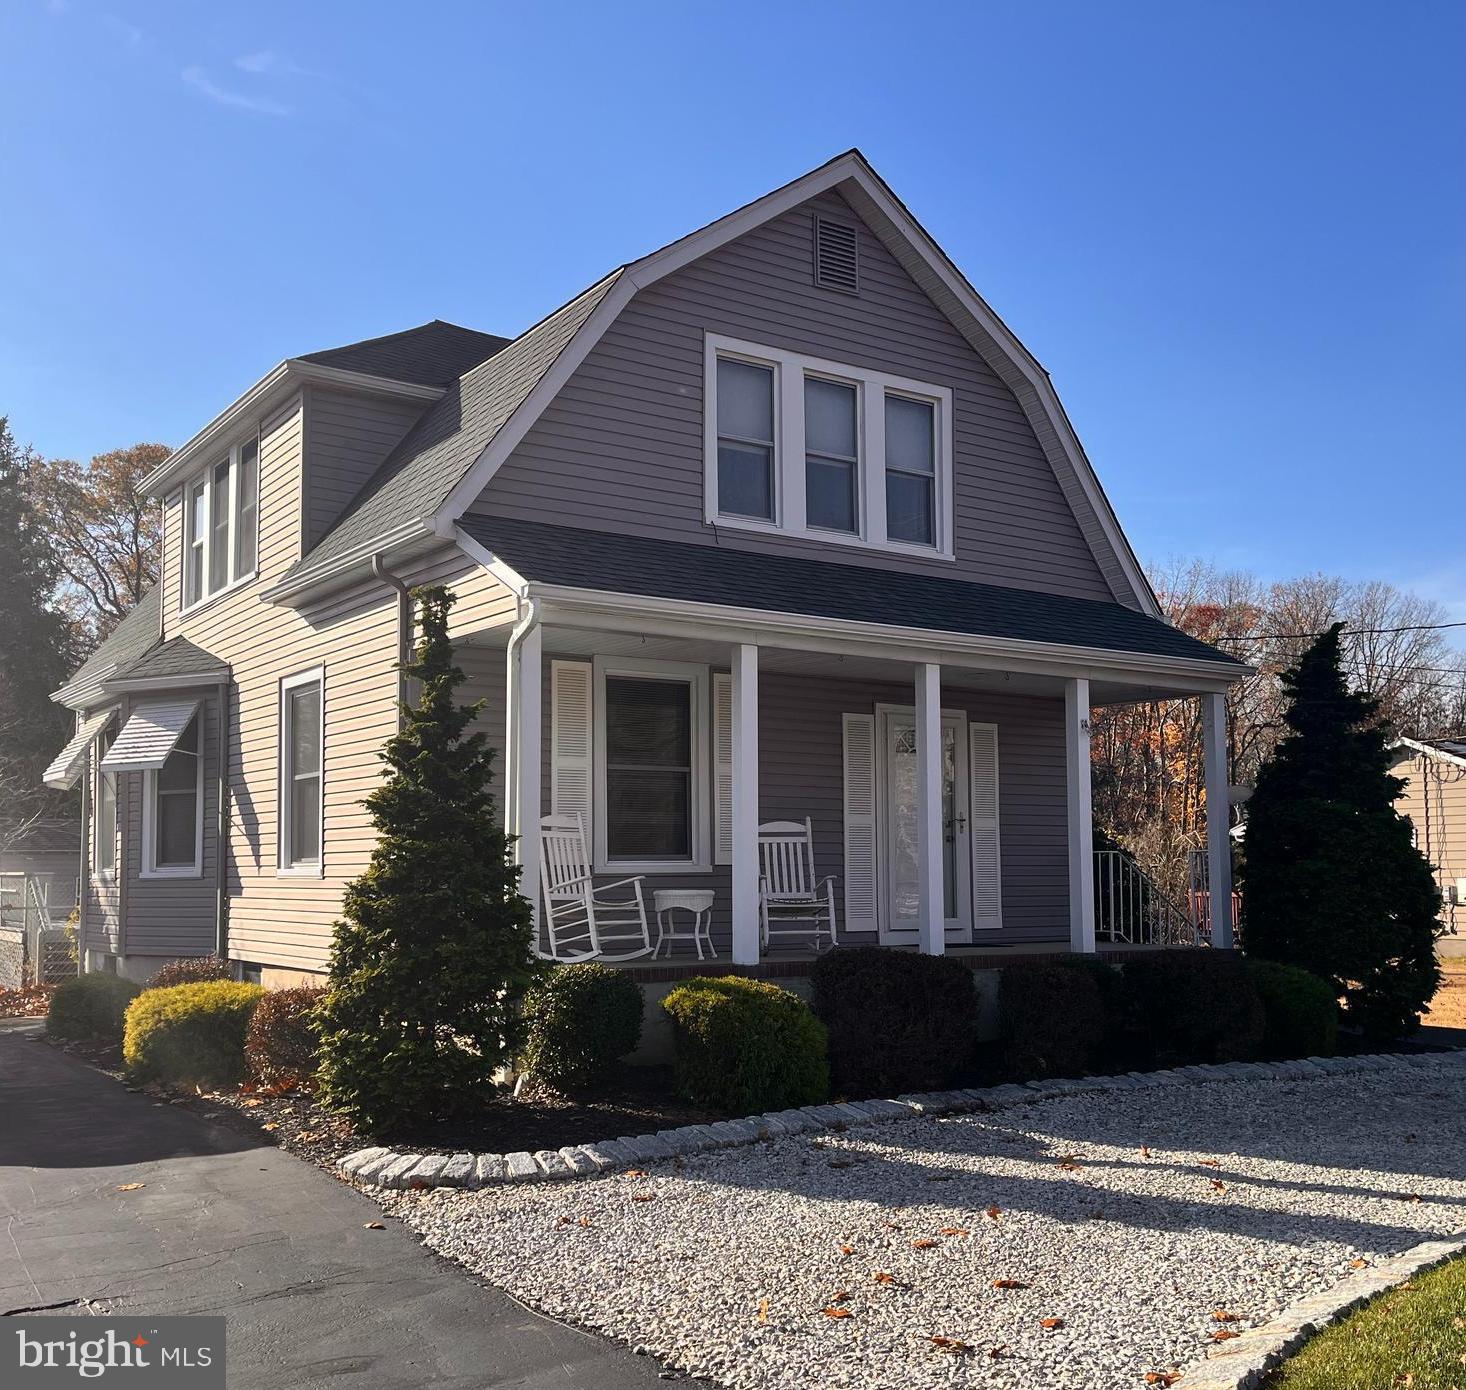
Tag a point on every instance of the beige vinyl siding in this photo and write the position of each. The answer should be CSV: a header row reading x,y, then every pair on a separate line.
x,y
1435,800
347,437
171,917
621,447
286,920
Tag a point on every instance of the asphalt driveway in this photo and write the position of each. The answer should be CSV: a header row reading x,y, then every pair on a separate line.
x,y
225,1226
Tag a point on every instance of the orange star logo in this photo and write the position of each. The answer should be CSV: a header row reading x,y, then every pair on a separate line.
x,y
139,1340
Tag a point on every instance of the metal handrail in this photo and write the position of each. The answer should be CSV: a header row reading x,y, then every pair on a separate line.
x,y
1132,909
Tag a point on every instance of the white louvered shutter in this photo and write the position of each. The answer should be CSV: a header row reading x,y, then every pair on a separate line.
x,y
571,733
722,768
987,874
861,878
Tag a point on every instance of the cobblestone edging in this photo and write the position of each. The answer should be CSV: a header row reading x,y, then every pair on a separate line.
x,y
1245,1362
393,1168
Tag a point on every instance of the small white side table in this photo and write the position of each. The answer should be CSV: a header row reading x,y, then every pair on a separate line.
x,y
697,901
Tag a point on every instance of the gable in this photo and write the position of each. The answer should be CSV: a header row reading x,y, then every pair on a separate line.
x,y
621,445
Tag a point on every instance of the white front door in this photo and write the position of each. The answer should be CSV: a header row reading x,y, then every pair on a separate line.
x,y
896,742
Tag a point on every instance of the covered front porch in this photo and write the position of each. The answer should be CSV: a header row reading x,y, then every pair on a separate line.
x,y
944,778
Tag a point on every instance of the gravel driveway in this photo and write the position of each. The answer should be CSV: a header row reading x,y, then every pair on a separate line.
x,y
1132,1218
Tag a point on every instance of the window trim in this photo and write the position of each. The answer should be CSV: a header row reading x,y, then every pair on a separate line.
x,y
105,873
700,794
150,868
284,867
233,456
872,387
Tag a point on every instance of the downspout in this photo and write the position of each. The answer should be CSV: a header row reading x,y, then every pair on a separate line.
x,y
529,617
404,626
83,877
221,832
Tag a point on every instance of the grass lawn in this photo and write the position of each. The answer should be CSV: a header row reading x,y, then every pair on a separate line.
x,y
1413,1336
1448,1008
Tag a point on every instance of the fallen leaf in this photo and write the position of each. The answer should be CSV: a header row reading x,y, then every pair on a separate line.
x,y
250,1103
924,1243
643,1196
1145,1151
882,1277
1051,1322
847,1249
1162,1377
1222,1315
1009,1284
308,1136
372,1226
994,1211
891,1225
763,1310
584,1221
1218,1185
954,1345
1411,1197
1224,1334
997,1353
955,1231
130,1186
1069,1163
838,1312
272,1125
1358,1264
636,1172
840,1296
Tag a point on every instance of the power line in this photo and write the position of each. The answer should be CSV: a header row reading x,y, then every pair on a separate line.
x,y
1348,631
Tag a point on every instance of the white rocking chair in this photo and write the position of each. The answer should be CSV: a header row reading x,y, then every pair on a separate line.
x,y
580,921
791,901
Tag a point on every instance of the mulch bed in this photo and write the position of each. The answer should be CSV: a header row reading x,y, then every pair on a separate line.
x,y
31,1002
637,1100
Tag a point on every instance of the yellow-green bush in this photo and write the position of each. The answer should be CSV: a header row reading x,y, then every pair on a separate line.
x,y
90,1006
190,1033
746,1046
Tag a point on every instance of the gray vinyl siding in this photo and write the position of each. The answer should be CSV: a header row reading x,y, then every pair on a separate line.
x,y
170,917
621,446
347,436
801,773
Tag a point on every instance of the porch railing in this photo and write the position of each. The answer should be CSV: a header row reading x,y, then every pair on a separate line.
x,y
35,947
1131,909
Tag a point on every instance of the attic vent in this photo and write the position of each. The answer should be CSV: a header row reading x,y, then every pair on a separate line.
x,y
836,262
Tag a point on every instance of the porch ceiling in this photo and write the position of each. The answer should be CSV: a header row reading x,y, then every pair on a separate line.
x,y
584,643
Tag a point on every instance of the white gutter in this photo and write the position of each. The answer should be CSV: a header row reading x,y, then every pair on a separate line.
x,y
419,528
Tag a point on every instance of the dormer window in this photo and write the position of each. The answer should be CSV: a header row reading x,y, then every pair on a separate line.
x,y
221,524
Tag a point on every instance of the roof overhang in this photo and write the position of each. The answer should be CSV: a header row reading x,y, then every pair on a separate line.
x,y
181,681
851,176
270,391
353,566
1429,750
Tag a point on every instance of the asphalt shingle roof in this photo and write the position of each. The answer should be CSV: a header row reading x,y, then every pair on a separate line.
x,y
176,657
615,563
432,354
416,478
126,642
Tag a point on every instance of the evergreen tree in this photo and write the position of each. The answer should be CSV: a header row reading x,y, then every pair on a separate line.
x,y
38,646
432,955
1333,882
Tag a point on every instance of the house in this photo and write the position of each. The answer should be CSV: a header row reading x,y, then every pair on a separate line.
x,y
1434,801
778,522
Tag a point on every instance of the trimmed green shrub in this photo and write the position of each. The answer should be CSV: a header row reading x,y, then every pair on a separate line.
x,y
897,1021
1194,1006
745,1046
191,970
190,1033
90,1006
582,1020
1300,1012
280,1042
1055,1018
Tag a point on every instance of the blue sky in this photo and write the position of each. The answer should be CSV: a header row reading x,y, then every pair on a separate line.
x,y
1234,233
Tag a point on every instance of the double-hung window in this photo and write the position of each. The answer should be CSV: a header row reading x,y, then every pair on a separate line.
x,y
826,450
221,523
173,812
651,747
302,737
104,813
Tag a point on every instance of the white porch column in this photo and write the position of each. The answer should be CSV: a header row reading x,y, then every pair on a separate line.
x,y
525,697
1081,815
932,912
745,805
1218,842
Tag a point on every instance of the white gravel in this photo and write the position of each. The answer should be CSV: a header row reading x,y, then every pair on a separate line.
x,y
1176,1203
